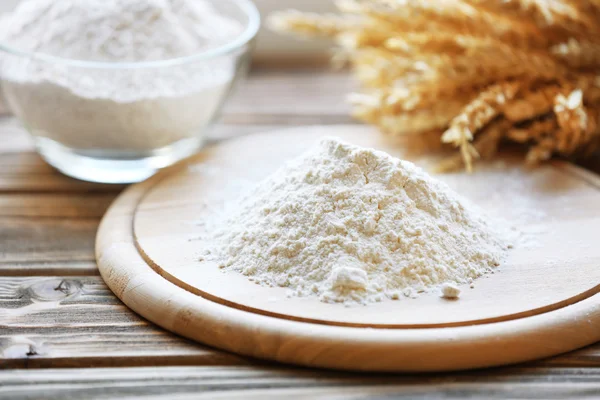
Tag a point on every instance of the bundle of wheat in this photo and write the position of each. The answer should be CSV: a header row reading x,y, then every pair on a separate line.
x,y
479,71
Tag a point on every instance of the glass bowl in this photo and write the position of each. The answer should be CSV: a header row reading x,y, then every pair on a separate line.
x,y
149,116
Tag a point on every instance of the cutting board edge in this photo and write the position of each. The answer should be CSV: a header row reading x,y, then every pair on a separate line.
x,y
433,349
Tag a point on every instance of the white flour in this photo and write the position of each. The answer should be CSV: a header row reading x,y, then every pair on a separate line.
x,y
131,110
355,225
450,290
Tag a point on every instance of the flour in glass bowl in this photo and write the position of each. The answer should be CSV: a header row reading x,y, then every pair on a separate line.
x,y
128,110
355,225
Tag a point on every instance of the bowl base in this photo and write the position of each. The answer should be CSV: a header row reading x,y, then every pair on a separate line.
x,y
106,168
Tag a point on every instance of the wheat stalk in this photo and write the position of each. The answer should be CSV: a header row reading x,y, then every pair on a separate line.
x,y
478,71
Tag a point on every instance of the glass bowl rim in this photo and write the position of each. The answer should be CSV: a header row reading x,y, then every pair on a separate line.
x,y
247,6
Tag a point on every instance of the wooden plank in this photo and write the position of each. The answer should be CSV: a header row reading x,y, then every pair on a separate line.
x,y
305,92
27,172
50,233
77,322
225,131
22,170
92,205
47,239
47,245
278,383
51,268
587,357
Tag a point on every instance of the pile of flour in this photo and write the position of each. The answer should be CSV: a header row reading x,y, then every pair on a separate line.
x,y
129,110
355,225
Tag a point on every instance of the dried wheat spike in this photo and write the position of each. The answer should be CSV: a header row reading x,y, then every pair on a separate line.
x,y
309,24
590,85
456,17
573,121
401,99
540,152
578,54
413,43
369,109
535,131
442,72
486,144
593,133
532,103
545,13
476,115
465,65
573,130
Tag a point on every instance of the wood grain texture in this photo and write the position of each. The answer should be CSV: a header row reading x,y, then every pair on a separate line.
x,y
28,173
180,383
23,171
46,240
73,321
50,232
77,321
82,206
82,341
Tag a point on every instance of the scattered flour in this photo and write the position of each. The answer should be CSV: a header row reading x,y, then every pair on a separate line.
x,y
355,225
132,109
450,290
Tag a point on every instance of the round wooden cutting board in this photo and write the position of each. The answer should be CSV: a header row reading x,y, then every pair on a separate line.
x,y
543,300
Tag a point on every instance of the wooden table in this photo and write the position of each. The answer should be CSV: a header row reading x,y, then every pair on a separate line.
x,y
63,334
